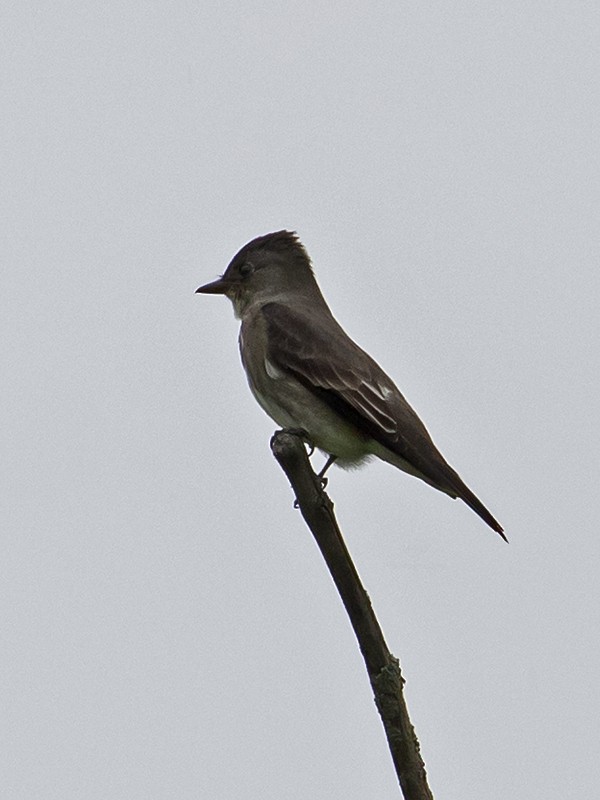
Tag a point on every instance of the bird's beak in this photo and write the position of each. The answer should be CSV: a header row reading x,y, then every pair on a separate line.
x,y
220,286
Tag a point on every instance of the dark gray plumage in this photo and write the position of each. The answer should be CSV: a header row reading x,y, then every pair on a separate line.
x,y
308,374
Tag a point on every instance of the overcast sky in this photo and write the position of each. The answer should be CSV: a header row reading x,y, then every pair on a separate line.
x,y
169,629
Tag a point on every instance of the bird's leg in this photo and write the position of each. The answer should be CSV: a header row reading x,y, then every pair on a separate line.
x,y
321,475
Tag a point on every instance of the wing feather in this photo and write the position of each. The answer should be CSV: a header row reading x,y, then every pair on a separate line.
x,y
327,361
318,352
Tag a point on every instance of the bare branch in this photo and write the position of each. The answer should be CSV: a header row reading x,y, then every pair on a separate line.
x,y
383,669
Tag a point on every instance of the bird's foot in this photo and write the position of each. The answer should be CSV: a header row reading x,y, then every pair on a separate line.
x,y
321,475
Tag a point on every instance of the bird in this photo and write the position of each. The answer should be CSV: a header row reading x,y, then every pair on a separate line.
x,y
311,377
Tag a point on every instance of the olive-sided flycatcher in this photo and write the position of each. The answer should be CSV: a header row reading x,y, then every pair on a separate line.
x,y
307,373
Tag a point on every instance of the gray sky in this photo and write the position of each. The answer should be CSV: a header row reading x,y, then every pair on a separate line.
x,y
168,626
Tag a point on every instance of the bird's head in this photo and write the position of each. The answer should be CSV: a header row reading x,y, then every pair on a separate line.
x,y
272,267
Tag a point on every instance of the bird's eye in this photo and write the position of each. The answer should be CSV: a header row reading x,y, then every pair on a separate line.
x,y
246,269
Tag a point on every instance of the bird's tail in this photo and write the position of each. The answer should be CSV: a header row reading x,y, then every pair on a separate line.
x,y
435,470
458,488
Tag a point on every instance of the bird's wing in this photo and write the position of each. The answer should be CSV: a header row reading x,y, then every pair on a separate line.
x,y
317,351
324,358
